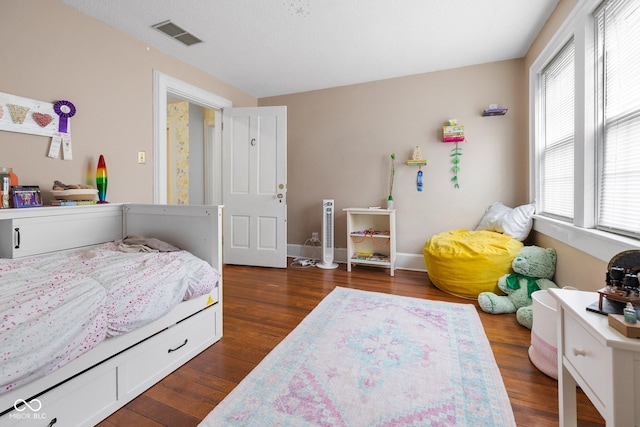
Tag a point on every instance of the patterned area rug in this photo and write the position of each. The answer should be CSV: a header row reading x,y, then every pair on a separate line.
x,y
372,359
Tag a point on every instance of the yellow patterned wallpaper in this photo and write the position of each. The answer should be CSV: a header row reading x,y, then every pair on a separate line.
x,y
178,153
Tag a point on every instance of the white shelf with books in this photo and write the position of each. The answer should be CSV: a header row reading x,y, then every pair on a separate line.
x,y
371,237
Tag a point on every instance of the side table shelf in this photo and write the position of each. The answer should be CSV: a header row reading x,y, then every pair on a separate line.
x,y
371,237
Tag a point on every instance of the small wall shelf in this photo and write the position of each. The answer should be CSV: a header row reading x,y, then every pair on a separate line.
x,y
417,162
494,112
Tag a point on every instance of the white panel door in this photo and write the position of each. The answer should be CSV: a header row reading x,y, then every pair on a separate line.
x,y
254,187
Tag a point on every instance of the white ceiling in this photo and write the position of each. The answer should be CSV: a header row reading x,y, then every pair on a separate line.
x,y
276,47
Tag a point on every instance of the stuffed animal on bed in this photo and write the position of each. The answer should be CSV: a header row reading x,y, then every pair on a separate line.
x,y
533,267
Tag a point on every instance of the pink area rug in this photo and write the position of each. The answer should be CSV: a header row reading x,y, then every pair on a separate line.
x,y
372,359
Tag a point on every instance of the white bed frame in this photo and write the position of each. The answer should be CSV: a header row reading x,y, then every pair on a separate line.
x,y
90,388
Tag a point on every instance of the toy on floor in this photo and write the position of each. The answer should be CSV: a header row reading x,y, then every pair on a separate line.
x,y
533,268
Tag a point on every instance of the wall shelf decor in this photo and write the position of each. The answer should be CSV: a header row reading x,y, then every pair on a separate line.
x,y
494,110
24,115
422,162
417,160
454,133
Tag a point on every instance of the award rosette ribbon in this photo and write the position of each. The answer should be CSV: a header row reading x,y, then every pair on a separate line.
x,y
66,110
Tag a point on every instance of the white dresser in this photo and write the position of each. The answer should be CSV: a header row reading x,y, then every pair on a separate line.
x,y
602,361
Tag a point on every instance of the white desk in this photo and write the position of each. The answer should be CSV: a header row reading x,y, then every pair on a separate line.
x,y
602,361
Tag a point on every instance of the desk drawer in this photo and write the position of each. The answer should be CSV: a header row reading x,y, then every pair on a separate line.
x,y
590,358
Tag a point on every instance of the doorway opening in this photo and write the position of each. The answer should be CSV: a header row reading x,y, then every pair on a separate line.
x,y
191,148
173,171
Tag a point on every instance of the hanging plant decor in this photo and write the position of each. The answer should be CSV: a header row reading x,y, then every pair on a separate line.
x,y
456,152
454,133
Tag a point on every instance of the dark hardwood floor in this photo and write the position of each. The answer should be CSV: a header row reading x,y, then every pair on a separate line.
x,y
261,306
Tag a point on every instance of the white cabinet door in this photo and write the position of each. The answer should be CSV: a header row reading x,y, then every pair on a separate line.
x,y
254,187
27,236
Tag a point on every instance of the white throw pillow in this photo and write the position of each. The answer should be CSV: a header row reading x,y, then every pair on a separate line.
x,y
514,222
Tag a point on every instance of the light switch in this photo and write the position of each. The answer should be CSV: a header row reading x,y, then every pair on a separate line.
x,y
142,157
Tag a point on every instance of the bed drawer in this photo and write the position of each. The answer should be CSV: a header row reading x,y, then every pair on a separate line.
x,y
165,352
75,403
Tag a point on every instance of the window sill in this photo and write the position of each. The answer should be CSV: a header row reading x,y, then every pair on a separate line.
x,y
599,244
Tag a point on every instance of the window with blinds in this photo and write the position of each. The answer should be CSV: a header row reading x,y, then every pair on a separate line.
x,y
618,141
557,94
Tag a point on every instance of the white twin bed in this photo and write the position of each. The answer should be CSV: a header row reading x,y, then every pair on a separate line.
x,y
89,319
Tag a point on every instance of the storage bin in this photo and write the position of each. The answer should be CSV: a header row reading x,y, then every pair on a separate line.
x,y
543,351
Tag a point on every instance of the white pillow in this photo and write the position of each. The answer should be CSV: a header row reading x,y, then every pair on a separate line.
x,y
516,222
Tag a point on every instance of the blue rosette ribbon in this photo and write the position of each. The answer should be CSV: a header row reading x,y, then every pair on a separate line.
x,y
66,110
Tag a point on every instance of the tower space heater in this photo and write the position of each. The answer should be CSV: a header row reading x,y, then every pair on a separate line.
x,y
327,236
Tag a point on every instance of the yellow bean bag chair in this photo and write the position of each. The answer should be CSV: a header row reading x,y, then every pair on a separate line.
x,y
465,263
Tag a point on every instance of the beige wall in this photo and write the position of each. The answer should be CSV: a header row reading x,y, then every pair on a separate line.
x,y
51,52
340,139
574,267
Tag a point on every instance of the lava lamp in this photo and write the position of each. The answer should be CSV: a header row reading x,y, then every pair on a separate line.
x,y
101,180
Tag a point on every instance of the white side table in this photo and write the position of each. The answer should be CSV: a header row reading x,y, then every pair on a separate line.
x,y
602,361
371,237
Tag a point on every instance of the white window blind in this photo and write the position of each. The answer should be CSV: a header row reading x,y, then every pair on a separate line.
x,y
618,53
557,91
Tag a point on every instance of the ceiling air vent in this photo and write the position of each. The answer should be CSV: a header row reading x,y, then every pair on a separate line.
x,y
172,30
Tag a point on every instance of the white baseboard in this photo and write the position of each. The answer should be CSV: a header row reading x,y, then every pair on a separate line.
x,y
404,261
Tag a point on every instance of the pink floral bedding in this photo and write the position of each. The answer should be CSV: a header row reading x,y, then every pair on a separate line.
x,y
56,307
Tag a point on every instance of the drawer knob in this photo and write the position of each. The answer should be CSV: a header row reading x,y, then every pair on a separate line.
x,y
577,352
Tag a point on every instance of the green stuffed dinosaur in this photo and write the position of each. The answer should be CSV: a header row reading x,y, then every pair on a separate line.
x,y
533,267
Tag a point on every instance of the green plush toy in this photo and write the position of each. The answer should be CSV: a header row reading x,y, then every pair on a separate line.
x,y
533,268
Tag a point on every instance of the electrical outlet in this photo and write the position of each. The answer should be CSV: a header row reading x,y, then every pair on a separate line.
x,y
142,157
314,236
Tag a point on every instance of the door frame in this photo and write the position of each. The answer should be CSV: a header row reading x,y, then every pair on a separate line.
x,y
164,85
